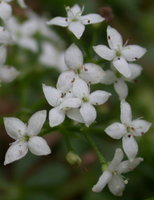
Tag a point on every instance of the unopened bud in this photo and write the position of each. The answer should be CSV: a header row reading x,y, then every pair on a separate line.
x,y
72,158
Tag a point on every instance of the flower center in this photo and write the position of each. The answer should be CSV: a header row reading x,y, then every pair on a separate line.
x,y
85,99
118,53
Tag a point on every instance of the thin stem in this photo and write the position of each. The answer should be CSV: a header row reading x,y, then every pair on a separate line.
x,y
98,153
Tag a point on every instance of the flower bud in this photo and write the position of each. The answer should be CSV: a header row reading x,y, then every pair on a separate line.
x,y
72,158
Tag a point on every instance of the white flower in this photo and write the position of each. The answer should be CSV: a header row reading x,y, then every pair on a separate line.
x,y
118,53
112,176
75,21
61,101
89,72
5,36
127,129
5,10
87,110
26,137
8,74
119,82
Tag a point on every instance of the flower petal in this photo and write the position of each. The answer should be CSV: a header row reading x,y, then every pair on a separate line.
x,y
88,113
116,130
102,181
15,152
140,127
5,11
91,19
92,73
70,103
73,11
28,43
75,115
116,185
109,77
59,21
121,88
36,122
133,52
127,166
126,113
22,3
52,95
5,36
56,117
15,128
77,28
114,38
135,70
104,52
38,146
122,66
3,54
65,81
80,88
8,74
130,147
73,57
118,156
99,97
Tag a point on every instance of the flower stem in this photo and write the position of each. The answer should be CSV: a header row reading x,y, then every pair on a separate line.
x,y
97,151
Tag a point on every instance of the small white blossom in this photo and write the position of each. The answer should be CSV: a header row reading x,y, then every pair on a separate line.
x,y
75,21
118,53
61,101
26,137
5,36
89,72
127,130
5,10
87,110
113,177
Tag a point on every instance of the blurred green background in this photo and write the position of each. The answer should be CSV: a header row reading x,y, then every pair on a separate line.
x,y
51,177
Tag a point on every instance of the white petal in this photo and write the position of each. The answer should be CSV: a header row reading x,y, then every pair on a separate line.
x,y
116,185
52,95
77,28
88,113
135,70
121,88
70,103
3,54
56,117
15,128
140,127
15,152
28,43
109,77
133,52
104,52
38,146
122,66
118,156
73,57
99,97
126,113
65,81
22,3
36,122
5,11
73,11
92,73
127,166
130,146
116,130
5,36
103,180
91,19
8,74
114,38
75,115
80,88
59,21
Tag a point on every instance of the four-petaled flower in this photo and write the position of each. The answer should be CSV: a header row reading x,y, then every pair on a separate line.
x,y
75,21
118,53
26,137
112,176
127,130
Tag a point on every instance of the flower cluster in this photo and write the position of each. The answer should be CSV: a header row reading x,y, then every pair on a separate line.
x,y
73,97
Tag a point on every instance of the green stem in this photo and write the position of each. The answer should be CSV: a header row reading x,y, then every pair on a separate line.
x,y
98,153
